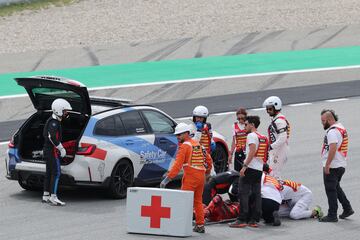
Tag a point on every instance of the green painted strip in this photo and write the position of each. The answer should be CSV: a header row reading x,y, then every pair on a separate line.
x,y
147,72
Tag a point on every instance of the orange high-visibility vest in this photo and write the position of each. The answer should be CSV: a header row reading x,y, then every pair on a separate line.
x,y
292,184
262,151
271,180
191,158
197,158
343,148
205,139
240,137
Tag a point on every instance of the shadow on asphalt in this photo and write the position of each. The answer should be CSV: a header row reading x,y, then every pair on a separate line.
x,y
77,195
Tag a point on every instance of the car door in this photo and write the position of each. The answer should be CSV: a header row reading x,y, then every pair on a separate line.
x,y
165,141
140,142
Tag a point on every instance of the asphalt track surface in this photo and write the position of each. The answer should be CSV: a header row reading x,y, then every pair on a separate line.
x,y
90,215
230,102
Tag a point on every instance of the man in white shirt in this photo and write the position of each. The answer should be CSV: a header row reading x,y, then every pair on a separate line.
x,y
271,199
334,159
279,132
250,174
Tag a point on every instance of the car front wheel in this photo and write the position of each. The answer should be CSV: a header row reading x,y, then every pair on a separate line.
x,y
122,177
219,157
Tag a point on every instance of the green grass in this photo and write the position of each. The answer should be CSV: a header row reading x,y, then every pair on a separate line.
x,y
7,10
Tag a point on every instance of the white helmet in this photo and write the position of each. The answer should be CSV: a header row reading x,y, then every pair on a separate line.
x,y
201,111
273,101
59,105
182,127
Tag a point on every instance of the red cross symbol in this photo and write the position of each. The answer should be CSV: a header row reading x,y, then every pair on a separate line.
x,y
155,212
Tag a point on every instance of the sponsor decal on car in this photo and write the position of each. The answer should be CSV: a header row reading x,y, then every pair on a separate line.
x,y
147,157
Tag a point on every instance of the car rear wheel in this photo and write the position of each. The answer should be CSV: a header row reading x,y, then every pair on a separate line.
x,y
219,157
30,184
122,177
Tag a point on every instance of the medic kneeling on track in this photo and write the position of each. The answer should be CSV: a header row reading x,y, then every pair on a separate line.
x,y
191,158
225,182
217,209
203,132
296,201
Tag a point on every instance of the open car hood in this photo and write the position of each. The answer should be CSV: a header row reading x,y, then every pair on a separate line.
x,y
43,90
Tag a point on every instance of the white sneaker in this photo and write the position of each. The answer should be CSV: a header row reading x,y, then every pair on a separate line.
x,y
55,201
45,198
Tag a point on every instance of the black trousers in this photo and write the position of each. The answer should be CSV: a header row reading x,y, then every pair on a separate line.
x,y
53,172
268,207
209,192
334,192
211,189
250,184
239,160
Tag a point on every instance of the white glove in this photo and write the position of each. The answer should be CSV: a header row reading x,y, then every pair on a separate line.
x,y
197,136
164,182
61,150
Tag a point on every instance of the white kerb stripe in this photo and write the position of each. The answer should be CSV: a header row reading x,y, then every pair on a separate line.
x,y
230,77
224,113
210,78
299,104
258,109
4,143
337,100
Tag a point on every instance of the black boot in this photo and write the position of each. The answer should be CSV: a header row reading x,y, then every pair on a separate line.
x,y
276,216
328,219
199,229
346,213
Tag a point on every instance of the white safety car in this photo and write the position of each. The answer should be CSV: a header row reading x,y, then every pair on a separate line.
x,y
109,143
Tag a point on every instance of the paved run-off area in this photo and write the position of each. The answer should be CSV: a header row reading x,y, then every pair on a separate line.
x,y
89,215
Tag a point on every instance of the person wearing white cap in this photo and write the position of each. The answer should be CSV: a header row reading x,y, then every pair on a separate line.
x,y
196,163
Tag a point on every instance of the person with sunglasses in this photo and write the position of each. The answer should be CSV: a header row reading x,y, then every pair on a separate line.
x,y
239,140
279,132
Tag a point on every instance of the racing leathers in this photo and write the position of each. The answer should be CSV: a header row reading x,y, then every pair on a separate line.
x,y
279,131
52,150
221,183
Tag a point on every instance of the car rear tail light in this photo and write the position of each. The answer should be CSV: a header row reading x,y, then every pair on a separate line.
x,y
86,149
11,144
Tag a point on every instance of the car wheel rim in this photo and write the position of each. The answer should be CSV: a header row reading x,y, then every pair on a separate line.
x,y
122,178
220,161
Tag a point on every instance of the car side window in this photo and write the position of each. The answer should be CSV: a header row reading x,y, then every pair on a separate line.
x,y
133,123
110,126
158,122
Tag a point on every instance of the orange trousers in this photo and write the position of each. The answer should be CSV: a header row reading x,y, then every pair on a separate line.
x,y
195,182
